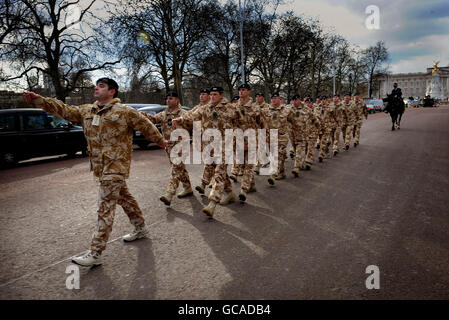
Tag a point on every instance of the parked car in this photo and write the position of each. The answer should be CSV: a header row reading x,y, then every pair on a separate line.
x,y
138,106
373,105
138,138
30,133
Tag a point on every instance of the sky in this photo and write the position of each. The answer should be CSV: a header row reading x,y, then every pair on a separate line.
x,y
416,33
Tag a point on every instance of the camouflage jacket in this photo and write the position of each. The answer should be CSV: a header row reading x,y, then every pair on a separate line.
x,y
298,117
313,123
108,131
332,116
165,118
249,116
319,110
276,118
361,110
350,110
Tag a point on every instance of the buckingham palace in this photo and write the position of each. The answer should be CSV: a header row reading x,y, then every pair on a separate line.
x,y
416,84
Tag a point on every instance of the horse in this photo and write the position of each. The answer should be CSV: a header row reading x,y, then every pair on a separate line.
x,y
395,107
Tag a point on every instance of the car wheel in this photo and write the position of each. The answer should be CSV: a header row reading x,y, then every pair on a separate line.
x,y
9,159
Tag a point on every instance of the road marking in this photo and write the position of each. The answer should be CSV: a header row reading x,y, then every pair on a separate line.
x,y
59,262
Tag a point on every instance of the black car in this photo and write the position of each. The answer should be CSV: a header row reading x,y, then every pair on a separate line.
x,y
30,133
138,137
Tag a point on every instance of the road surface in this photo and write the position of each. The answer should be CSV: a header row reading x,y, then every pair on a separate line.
x,y
384,203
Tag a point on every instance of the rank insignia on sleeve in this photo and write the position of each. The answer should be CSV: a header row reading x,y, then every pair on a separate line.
x,y
215,115
169,122
243,112
297,113
275,116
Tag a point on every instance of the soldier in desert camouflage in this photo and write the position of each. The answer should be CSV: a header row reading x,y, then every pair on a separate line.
x,y
179,172
361,111
275,117
219,114
108,127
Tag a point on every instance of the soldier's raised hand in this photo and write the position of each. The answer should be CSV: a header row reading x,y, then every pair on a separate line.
x,y
175,121
165,144
30,96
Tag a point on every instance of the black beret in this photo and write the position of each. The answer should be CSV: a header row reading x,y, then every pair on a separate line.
x,y
348,94
274,95
172,94
295,96
336,95
309,100
245,86
217,89
260,94
356,94
205,90
235,98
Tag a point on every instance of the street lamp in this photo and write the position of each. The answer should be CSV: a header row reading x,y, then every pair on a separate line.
x,y
333,70
241,39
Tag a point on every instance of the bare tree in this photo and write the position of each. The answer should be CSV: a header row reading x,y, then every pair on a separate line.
x,y
50,39
374,57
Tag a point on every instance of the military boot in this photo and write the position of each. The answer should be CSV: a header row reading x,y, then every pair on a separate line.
x,y
308,167
185,193
200,188
271,180
320,159
355,144
242,195
335,153
209,210
252,188
233,177
167,198
295,172
257,170
280,176
227,198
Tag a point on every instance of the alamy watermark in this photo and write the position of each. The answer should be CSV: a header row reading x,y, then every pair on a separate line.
x,y
73,280
250,147
372,22
373,280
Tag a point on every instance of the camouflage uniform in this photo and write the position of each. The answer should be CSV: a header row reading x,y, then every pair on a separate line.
x,y
261,108
179,173
331,123
313,129
361,111
298,117
351,111
276,118
221,116
208,171
108,131
342,117
249,118
320,113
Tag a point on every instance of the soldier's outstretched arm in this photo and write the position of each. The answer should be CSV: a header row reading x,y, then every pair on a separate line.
x,y
189,116
152,118
54,107
138,121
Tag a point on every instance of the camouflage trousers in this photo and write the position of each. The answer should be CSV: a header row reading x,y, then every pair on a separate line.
x,y
178,174
348,134
222,183
327,140
310,148
248,173
300,152
112,193
356,131
208,173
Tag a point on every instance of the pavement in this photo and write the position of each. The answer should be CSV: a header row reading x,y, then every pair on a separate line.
x,y
384,204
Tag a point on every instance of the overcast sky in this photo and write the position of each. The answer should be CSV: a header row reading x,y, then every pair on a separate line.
x,y
416,32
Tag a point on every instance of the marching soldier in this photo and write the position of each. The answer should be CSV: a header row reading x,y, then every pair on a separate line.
x,y
219,114
313,129
361,111
107,126
350,110
208,171
179,172
262,106
276,118
335,119
298,118
249,118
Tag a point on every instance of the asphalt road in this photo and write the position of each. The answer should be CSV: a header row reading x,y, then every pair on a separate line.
x,y
384,203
